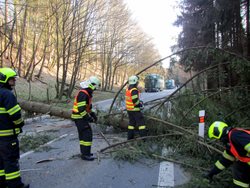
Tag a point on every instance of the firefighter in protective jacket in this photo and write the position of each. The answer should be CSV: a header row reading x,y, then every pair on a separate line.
x,y
82,114
134,107
237,151
11,124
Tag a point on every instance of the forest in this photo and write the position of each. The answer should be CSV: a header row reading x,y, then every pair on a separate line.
x,y
78,37
215,43
75,38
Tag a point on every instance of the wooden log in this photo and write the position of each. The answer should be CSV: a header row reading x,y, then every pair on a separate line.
x,y
51,110
44,109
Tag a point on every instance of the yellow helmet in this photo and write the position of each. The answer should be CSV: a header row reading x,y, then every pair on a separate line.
x,y
6,73
216,129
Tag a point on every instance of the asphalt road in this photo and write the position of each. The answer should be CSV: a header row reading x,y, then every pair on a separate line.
x,y
145,97
57,163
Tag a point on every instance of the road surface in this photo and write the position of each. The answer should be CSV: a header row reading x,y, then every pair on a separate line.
x,y
145,97
57,164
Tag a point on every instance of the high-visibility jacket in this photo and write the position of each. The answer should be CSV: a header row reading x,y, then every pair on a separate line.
x,y
237,149
132,99
11,120
234,149
81,106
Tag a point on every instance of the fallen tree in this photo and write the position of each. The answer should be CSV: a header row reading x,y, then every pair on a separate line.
x,y
59,112
43,108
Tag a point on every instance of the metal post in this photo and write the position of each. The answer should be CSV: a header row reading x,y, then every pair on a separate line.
x,y
201,123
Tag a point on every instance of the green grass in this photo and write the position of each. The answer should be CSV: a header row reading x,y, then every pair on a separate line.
x,y
32,142
38,92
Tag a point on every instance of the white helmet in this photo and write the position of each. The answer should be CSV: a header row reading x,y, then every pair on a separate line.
x,y
133,79
84,84
92,83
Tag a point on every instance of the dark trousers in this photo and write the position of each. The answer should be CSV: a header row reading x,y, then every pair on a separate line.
x,y
85,135
136,122
9,165
241,174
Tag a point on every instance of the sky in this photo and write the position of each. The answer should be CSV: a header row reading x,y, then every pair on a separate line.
x,y
156,18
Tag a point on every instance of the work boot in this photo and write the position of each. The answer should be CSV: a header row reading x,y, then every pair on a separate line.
x,y
91,154
3,184
25,186
87,157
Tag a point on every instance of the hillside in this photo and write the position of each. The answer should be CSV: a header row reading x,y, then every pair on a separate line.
x,y
43,90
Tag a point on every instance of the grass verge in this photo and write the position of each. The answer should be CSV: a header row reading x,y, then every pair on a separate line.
x,y
32,142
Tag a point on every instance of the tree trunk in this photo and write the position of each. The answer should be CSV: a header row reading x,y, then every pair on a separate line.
x,y
43,61
44,109
20,47
5,28
248,28
52,110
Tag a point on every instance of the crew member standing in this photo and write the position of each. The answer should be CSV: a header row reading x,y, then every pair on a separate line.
x,y
237,151
11,124
82,114
134,106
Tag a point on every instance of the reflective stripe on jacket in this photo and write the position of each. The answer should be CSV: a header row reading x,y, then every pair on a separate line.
x,y
233,150
11,119
76,114
130,105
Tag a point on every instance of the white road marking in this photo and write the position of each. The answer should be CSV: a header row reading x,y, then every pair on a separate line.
x,y
48,143
166,173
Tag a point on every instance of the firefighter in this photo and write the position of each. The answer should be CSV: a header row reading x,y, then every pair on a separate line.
x,y
82,115
11,124
134,106
237,152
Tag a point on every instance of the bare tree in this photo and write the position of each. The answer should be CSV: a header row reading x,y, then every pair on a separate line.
x,y
19,55
84,38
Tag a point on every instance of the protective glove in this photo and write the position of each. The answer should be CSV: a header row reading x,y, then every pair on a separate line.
x,y
93,115
20,125
141,105
208,176
90,119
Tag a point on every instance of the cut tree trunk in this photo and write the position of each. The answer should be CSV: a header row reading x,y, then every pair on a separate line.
x,y
41,108
44,109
